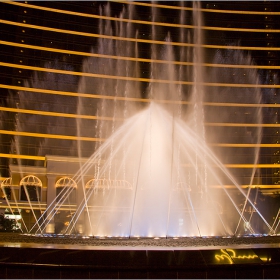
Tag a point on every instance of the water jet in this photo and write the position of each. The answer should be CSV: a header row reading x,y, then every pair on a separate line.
x,y
156,168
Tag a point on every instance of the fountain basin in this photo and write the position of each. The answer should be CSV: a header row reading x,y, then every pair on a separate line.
x,y
186,258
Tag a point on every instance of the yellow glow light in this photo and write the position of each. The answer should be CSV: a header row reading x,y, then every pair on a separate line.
x,y
138,59
157,23
223,256
143,4
137,40
200,9
245,145
234,256
132,99
54,136
22,156
66,115
56,114
103,76
230,254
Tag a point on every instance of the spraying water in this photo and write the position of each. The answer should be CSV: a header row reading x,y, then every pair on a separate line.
x,y
153,173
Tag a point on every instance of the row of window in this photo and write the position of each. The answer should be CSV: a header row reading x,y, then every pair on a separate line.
x,y
31,188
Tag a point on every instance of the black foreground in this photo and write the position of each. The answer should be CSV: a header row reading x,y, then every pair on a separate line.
x,y
34,257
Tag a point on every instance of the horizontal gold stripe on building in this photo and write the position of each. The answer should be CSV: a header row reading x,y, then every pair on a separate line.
x,y
77,116
250,186
246,165
243,124
75,94
26,206
22,156
263,105
92,139
91,75
188,26
137,59
200,9
149,5
119,19
42,158
135,40
95,96
103,76
56,114
252,165
231,145
53,136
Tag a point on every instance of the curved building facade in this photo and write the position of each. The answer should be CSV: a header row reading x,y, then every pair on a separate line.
x,y
73,73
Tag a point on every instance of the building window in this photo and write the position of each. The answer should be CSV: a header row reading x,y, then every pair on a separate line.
x,y
5,191
30,188
66,191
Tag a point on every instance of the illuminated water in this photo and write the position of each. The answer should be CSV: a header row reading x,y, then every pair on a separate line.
x,y
157,173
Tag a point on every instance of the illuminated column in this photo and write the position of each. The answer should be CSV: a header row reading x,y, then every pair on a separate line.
x,y
79,200
51,195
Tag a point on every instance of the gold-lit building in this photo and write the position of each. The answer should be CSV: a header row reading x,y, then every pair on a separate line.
x,y
46,51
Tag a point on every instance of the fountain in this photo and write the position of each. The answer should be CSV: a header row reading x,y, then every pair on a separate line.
x,y
156,169
155,175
